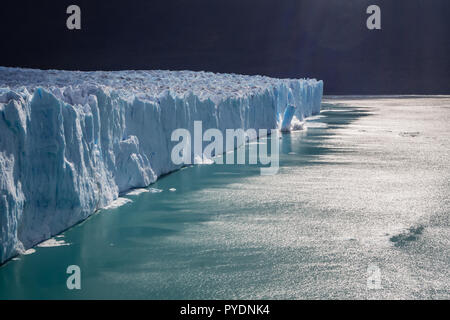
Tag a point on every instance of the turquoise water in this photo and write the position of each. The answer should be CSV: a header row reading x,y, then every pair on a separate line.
x,y
366,185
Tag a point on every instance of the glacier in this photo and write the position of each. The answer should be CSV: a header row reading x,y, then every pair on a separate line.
x,y
71,142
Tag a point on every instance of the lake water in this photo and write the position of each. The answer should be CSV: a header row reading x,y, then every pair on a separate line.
x,y
359,209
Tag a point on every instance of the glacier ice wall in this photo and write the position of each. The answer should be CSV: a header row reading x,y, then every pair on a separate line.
x,y
70,142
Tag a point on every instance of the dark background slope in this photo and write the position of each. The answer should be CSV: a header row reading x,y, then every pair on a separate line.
x,y
325,39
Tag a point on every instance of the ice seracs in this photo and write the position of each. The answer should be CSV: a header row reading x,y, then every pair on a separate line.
x,y
71,141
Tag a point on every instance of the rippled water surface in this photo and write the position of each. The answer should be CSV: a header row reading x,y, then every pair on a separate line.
x,y
363,191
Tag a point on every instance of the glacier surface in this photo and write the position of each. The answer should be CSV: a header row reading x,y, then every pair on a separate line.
x,y
71,142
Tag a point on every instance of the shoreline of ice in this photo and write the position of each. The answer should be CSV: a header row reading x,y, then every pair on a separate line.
x,y
72,142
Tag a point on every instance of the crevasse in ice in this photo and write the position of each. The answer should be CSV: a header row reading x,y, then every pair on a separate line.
x,y
71,141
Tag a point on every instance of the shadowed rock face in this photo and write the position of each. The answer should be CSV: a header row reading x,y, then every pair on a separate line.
x,y
72,141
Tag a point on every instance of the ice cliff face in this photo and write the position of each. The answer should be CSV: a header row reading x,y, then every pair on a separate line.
x,y
70,142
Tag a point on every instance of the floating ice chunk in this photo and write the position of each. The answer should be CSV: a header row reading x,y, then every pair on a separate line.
x,y
316,125
53,243
136,192
29,251
117,203
297,125
316,117
199,160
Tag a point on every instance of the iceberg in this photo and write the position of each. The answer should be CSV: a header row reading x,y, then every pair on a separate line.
x,y
71,142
